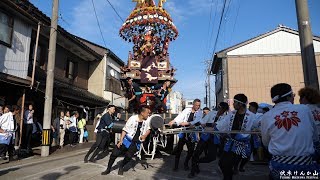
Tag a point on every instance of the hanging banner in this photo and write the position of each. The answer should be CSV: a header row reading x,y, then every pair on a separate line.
x,y
149,70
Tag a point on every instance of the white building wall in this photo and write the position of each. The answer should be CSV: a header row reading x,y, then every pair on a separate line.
x,y
14,60
115,99
175,100
113,64
281,42
96,81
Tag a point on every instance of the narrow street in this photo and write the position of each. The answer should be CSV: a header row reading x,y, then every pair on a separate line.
x,y
241,77
68,164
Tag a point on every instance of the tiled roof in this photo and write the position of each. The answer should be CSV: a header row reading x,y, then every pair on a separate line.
x,y
65,90
100,50
36,15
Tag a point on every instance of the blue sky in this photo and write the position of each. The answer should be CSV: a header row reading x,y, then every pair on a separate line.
x,y
243,20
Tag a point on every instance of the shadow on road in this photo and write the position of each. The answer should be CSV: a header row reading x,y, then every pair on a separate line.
x,y
56,175
207,171
52,176
7,171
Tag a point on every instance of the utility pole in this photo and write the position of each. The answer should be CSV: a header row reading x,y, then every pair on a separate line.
x,y
209,89
206,98
209,62
306,44
50,79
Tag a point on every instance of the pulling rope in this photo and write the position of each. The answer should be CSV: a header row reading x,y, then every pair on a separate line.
x,y
155,141
186,130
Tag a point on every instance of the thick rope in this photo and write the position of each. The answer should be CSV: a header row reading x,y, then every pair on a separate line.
x,y
185,130
155,141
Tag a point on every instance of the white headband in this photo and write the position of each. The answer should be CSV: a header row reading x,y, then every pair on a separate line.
x,y
239,101
277,97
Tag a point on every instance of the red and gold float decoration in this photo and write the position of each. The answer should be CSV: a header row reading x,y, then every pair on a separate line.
x,y
151,29
148,22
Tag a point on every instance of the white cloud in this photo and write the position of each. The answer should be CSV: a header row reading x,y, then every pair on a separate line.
x,y
177,12
181,12
84,22
80,20
200,6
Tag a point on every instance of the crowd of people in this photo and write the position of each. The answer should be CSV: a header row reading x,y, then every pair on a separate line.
x,y
71,127
10,128
68,128
287,132
239,132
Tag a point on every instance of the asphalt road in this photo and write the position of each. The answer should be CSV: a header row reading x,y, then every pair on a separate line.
x,y
68,164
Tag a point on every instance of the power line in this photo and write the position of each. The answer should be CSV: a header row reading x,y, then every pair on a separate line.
x,y
209,27
234,25
225,23
228,7
216,41
94,8
217,37
208,44
115,11
104,42
211,34
60,17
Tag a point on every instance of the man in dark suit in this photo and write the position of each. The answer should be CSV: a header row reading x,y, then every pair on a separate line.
x,y
103,134
133,93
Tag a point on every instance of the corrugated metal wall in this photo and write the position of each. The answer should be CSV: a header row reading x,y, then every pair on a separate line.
x,y
15,60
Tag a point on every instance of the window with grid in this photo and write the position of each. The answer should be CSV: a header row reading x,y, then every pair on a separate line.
x,y
71,70
6,29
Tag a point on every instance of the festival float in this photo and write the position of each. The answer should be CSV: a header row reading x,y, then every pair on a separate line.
x,y
151,29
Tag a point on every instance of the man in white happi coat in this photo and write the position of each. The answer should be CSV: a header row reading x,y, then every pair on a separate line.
x,y
189,116
7,132
134,132
208,141
237,146
289,132
255,139
311,98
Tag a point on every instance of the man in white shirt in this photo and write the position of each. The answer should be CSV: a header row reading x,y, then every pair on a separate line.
x,y
237,146
208,141
58,128
189,116
289,132
255,141
72,122
28,127
134,132
311,98
7,134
